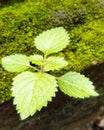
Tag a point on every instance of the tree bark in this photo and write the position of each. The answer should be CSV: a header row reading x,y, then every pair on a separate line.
x,y
63,113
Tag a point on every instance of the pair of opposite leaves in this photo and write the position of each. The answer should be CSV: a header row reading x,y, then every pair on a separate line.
x,y
33,90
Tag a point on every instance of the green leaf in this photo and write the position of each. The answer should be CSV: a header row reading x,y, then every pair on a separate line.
x,y
36,59
52,41
32,91
15,63
55,63
76,85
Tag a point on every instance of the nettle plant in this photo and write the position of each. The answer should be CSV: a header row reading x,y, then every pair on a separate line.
x,y
33,90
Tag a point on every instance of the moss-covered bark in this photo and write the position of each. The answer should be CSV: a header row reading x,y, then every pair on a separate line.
x,y
21,22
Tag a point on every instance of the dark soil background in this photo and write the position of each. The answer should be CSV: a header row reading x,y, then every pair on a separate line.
x,y
63,113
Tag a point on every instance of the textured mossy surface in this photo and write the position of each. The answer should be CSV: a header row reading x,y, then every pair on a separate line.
x,y
21,21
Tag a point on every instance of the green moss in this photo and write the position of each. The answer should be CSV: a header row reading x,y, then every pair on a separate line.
x,y
87,45
21,22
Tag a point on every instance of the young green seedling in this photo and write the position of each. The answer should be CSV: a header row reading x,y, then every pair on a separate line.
x,y
33,90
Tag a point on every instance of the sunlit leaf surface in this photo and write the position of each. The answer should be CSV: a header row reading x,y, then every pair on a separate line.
x,y
32,91
76,85
52,41
15,63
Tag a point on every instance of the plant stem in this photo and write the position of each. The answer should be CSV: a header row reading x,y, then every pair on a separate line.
x,y
35,68
43,64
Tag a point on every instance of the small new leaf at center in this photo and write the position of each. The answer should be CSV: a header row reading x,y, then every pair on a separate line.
x,y
55,63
